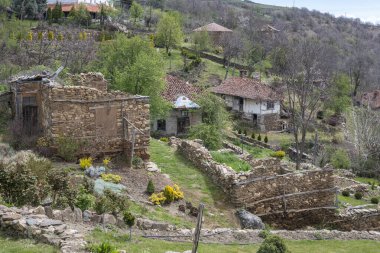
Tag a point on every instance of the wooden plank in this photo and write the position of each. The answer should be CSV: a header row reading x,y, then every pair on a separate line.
x,y
198,228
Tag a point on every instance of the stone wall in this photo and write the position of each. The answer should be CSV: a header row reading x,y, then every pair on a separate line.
x,y
94,117
357,219
268,190
92,80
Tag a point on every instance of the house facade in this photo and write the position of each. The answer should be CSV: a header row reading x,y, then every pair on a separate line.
x,y
184,113
105,122
214,31
254,102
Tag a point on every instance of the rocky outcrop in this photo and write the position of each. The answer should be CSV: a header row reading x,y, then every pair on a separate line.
x,y
249,220
34,224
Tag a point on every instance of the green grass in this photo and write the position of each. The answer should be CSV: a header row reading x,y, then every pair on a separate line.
x,y
197,186
143,245
256,152
230,159
366,180
10,245
159,214
352,201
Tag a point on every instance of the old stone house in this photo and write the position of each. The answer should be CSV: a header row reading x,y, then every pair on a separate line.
x,y
253,101
105,122
184,113
214,31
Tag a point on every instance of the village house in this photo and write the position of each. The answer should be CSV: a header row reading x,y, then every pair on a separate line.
x,y
92,6
106,122
214,31
184,114
253,101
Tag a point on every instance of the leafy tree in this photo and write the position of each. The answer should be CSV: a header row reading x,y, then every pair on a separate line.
x,y
215,120
80,16
340,159
136,11
339,100
134,66
201,41
30,9
49,15
169,30
57,13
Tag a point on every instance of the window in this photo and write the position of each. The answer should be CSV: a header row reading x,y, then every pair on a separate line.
x,y
270,105
161,125
29,101
185,113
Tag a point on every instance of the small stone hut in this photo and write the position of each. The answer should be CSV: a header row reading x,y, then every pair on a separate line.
x,y
105,122
215,32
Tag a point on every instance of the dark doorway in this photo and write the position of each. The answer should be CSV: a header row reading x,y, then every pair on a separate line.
x,y
241,104
30,119
254,119
183,125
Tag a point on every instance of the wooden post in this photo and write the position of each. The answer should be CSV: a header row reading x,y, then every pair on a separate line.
x,y
198,228
132,146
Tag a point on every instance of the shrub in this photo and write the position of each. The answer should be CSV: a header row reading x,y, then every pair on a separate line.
x,y
115,202
64,194
340,159
375,201
346,193
278,154
137,161
164,139
85,162
105,247
157,199
211,136
264,233
273,244
111,178
178,194
150,188
101,205
128,219
67,147
253,136
245,132
373,186
84,200
169,194
239,131
259,137
358,195
266,139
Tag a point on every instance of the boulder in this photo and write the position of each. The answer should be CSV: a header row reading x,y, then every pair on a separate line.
x,y
145,224
49,212
78,214
96,218
39,210
11,216
152,167
87,215
50,222
109,219
57,214
249,220
68,215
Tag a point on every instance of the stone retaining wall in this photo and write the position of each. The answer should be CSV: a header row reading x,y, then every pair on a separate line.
x,y
266,190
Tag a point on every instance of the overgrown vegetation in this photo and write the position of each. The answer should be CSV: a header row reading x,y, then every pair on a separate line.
x,y
230,159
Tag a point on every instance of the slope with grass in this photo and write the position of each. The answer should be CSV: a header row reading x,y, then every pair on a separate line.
x,y
232,160
196,185
139,244
9,245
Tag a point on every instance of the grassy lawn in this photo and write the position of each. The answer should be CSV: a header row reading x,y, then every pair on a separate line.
x,y
197,186
256,152
23,246
143,245
366,180
352,201
231,160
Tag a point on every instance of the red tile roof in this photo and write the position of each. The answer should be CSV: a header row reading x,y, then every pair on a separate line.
x,y
213,27
246,88
67,7
176,87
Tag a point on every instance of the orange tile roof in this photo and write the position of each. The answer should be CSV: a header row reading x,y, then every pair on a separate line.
x,y
213,27
176,87
67,7
246,88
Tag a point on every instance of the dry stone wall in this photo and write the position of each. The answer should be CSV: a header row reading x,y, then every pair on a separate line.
x,y
268,190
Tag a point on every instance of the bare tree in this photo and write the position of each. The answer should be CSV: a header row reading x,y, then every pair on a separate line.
x,y
305,79
232,48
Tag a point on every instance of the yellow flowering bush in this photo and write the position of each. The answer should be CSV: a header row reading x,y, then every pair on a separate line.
x,y
169,193
111,178
85,162
106,161
278,154
178,194
157,198
42,142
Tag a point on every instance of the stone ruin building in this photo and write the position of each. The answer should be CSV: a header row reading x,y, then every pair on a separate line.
x,y
105,122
